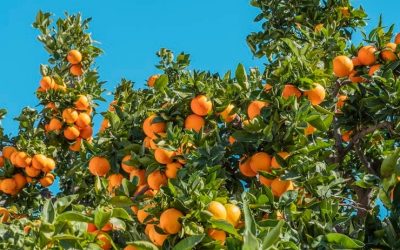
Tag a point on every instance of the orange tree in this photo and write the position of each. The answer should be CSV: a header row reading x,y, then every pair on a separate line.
x,y
301,154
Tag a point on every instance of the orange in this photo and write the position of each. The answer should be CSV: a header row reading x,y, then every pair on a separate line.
x,y
231,140
27,229
127,168
61,87
163,156
172,169
232,214
22,160
54,125
194,122
227,115
151,129
76,145
4,215
254,108
7,151
104,125
13,157
278,186
20,181
105,242
71,132
342,66
346,135
130,247
47,83
155,237
267,87
366,55
388,52
373,69
91,228
47,180
309,130
83,120
50,165
70,115
356,62
290,90
134,209
217,209
140,174
260,161
355,78
82,103
76,70
341,100
316,95
39,161
245,169
156,179
142,214
397,39
265,181
274,162
99,166
217,235
201,105
74,56
86,132
345,11
31,171
8,185
1,161
114,181
169,221
152,80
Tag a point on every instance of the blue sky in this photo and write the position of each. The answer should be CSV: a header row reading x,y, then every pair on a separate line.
x,y
130,32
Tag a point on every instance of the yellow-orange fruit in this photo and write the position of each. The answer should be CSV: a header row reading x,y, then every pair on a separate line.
x,y
155,237
47,83
309,130
83,120
74,56
278,187
290,90
142,214
70,115
245,169
227,114
346,135
7,151
316,95
82,103
254,108
345,11
47,180
86,132
76,70
373,69
274,162
156,179
231,140
356,62
163,156
318,27
169,221
31,171
8,185
152,80
4,215
265,181
130,247
340,102
267,87
54,125
217,235
397,39
140,174
127,168
134,209
171,169
71,132
201,105
366,55
76,145
99,166
355,78
105,242
22,160
39,161
1,161
217,209
194,122
49,166
13,158
104,125
260,161
233,214
388,52
151,129
114,181
342,66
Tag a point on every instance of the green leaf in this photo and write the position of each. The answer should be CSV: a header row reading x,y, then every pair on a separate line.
x,y
121,201
73,216
344,241
161,82
143,245
273,236
224,225
121,213
101,217
241,76
317,122
48,212
189,242
250,242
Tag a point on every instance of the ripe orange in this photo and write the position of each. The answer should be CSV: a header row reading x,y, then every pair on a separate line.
x,y
31,171
172,169
345,11
274,162
340,102
217,235
83,120
290,90
47,83
142,214
316,95
105,242
355,78
155,237
91,228
356,62
8,185
47,180
130,247
70,115
104,125
156,179
82,103
124,166
76,70
265,181
50,165
231,139
342,66
140,174
388,52
217,209
201,105
76,145
13,158
373,69
74,56
8,150
163,156
366,55
71,132
194,122
227,115
309,130
260,161
267,87
134,209
346,135
151,129
86,132
54,125
278,186
1,161
39,161
99,166
254,108
22,160
169,221
152,80
232,214
397,39
245,169
114,181
20,180
4,215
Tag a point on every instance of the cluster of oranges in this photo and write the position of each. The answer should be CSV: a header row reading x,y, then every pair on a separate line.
x,y
28,169
102,234
74,57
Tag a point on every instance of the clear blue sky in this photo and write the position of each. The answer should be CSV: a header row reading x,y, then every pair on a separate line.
x,y
131,31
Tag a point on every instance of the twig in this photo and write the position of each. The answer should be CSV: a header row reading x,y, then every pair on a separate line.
x,y
364,159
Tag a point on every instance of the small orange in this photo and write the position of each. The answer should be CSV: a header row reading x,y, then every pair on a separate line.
x,y
4,215
201,105
278,186
82,103
274,162
31,171
346,135
217,209
76,70
104,125
70,115
163,156
267,87
245,169
260,161
340,102
127,168
152,80
74,56
151,129
8,150
254,108
366,55
373,69
76,145
217,235
54,125
309,130
231,140
83,120
155,237
316,95
172,169
156,179
39,161
49,166
47,180
265,181
355,78
342,66
232,214
169,221
105,242
47,83
140,174
86,132
71,132
194,122
114,181
99,166
388,52
290,90
22,160
20,180
142,214
356,62
8,185
227,114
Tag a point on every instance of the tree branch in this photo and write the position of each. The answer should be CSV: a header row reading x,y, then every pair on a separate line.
x,y
364,159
